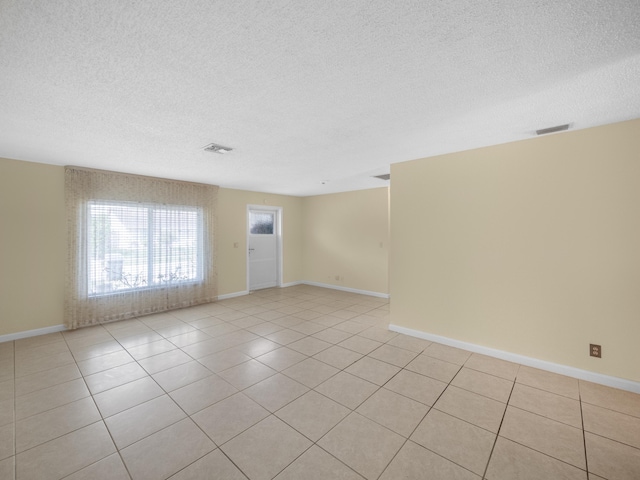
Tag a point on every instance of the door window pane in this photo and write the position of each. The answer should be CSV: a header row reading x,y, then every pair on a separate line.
x,y
261,223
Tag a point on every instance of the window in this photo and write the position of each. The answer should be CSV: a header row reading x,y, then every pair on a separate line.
x,y
137,246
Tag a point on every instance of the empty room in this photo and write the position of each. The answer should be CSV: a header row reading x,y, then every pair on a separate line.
x,y
331,240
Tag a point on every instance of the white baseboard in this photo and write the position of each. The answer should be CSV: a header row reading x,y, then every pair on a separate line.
x,y
313,284
233,295
347,289
31,333
599,378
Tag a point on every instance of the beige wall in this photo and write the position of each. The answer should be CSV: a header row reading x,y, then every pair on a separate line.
x,y
232,228
345,235
32,245
33,248
530,247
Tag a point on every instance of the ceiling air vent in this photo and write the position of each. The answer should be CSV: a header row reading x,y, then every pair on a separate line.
x,y
386,176
558,128
215,148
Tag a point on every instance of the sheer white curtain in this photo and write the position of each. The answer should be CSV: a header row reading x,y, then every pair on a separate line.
x,y
136,245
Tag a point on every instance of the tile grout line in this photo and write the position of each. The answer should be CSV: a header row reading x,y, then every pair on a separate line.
x,y
102,419
504,414
408,438
584,435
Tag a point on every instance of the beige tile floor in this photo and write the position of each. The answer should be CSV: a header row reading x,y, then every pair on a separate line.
x,y
293,383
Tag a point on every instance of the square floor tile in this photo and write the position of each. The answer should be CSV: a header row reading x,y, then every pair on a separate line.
x,y
413,461
91,351
208,347
394,411
8,468
140,339
373,370
114,377
258,347
551,382
281,358
457,440
220,361
313,414
362,444
611,398
308,328
7,412
51,397
393,355
329,320
544,435
224,420
214,465
309,346
412,344
142,420
612,460
176,377
163,361
376,333
316,464
65,455
147,350
493,366
266,449
188,338
167,451
45,426
338,357
7,441
547,404
511,460
360,344
220,329
265,328
483,384
434,368
109,468
246,374
275,392
332,335
198,395
47,349
347,389
126,396
286,336
447,353
310,372
610,424
40,364
48,378
417,387
471,407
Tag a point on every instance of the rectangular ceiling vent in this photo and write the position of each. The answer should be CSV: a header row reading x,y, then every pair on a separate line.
x,y
558,128
215,148
386,176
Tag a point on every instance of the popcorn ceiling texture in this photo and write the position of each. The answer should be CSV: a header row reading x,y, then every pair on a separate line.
x,y
304,92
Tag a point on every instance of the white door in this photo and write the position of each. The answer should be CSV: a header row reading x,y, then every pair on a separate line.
x,y
263,235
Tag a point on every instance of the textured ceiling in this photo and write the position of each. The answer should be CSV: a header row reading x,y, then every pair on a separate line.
x,y
305,92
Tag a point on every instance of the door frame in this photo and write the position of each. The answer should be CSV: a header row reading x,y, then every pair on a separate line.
x,y
278,232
